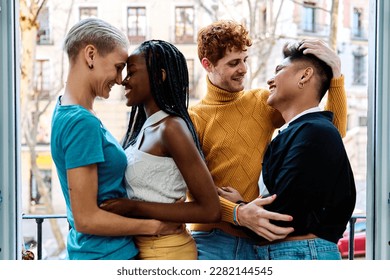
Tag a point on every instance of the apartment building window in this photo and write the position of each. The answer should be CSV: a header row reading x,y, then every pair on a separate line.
x,y
357,30
359,73
309,17
136,24
42,78
184,25
44,32
191,73
88,12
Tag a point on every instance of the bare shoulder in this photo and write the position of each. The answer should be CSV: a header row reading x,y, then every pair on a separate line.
x,y
173,126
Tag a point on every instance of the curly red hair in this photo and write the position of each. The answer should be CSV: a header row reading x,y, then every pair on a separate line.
x,y
221,36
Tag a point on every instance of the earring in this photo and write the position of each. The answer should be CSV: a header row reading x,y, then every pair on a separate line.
x,y
300,85
90,66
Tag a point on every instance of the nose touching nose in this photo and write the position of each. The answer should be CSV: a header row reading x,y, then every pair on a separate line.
x,y
118,79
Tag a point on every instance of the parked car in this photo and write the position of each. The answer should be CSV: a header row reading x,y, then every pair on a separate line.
x,y
359,240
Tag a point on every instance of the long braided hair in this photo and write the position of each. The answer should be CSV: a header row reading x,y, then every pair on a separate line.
x,y
171,95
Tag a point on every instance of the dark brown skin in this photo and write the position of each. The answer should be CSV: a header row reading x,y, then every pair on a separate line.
x,y
168,138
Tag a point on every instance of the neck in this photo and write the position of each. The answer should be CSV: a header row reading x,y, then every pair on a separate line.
x,y
77,91
291,111
151,108
218,95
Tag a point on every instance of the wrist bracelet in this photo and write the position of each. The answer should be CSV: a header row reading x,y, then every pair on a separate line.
x,y
236,221
235,215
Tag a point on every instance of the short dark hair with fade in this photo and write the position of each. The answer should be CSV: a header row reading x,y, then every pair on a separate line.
x,y
322,70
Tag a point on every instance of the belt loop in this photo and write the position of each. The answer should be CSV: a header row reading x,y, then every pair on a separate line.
x,y
313,249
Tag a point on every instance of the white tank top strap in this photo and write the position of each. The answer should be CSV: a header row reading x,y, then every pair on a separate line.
x,y
153,119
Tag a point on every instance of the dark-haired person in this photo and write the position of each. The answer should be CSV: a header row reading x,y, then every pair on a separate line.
x,y
92,173
306,164
234,127
163,152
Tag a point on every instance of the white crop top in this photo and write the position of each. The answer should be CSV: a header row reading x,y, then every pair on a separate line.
x,y
149,177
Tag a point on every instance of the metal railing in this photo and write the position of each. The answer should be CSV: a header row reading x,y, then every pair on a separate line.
x,y
351,238
39,219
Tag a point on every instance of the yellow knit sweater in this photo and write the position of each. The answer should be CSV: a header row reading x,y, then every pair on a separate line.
x,y
234,129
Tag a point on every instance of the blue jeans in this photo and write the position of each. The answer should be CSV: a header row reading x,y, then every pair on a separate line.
x,y
218,245
310,249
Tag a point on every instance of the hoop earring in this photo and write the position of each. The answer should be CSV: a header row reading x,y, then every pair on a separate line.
x,y
300,85
90,66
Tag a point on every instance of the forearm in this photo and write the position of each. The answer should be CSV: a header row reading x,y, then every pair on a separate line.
x,y
181,212
100,222
337,103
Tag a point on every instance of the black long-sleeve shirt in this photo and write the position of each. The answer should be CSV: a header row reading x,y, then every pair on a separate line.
x,y
307,166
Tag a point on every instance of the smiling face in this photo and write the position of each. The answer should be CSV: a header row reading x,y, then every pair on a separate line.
x,y
283,86
107,71
229,72
136,83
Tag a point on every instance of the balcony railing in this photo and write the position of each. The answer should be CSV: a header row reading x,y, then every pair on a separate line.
x,y
351,243
39,219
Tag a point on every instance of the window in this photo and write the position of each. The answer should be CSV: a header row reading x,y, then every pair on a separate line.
x,y
44,32
184,25
42,78
359,74
191,73
136,24
88,12
357,30
309,17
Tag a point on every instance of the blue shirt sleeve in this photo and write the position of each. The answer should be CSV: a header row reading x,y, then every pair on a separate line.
x,y
83,142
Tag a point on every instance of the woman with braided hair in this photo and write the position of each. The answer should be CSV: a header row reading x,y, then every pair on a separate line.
x,y
163,153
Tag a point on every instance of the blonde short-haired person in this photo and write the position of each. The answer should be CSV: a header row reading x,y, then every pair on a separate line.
x,y
90,162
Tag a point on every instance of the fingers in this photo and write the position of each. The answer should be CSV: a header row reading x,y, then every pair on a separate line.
x,y
106,204
260,201
180,200
256,218
272,234
316,47
269,214
224,190
321,50
167,228
263,227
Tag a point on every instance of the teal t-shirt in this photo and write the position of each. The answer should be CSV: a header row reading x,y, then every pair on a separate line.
x,y
78,139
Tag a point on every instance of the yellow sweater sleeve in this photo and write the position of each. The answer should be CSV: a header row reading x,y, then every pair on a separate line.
x,y
337,103
227,210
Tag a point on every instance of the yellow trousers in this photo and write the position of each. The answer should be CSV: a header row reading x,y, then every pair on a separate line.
x,y
168,247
